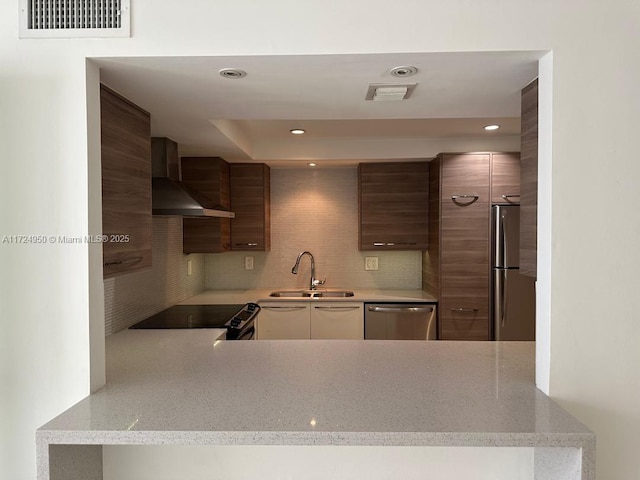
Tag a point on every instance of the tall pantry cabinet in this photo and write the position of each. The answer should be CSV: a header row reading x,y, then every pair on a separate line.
x,y
462,204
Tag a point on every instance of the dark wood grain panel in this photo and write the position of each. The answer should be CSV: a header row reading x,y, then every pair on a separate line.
x,y
206,235
463,318
209,176
251,202
464,247
529,181
126,184
431,258
394,205
505,178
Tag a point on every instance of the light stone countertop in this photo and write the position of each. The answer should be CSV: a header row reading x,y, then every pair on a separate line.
x,y
208,297
169,384
186,387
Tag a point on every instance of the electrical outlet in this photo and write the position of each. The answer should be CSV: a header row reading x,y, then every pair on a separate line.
x,y
189,267
248,263
371,263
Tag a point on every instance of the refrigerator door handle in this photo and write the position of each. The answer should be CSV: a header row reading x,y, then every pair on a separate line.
x,y
503,293
499,240
499,277
504,245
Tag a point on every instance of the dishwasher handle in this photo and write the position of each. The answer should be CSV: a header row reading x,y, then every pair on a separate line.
x,y
377,308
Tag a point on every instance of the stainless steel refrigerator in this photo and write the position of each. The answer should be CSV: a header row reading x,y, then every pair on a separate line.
x,y
513,303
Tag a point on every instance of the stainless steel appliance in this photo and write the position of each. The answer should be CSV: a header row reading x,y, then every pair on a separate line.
x,y
513,303
239,320
399,321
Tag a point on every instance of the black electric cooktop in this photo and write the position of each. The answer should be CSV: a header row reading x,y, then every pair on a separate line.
x,y
191,316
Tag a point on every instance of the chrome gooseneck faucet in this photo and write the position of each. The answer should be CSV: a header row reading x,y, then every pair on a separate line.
x,y
313,282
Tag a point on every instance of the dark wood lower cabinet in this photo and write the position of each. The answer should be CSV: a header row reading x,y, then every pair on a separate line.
x,y
464,318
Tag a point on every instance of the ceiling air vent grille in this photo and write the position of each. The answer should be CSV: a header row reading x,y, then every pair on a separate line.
x,y
74,18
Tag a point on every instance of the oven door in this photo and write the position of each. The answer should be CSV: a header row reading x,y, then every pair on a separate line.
x,y
247,333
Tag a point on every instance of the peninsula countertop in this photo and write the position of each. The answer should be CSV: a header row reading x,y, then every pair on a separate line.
x,y
316,392
188,387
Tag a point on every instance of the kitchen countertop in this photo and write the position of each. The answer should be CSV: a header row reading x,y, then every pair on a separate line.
x,y
261,295
185,387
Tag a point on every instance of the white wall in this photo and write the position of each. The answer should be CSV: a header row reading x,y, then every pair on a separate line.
x,y
45,290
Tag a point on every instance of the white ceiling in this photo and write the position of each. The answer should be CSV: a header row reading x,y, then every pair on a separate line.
x,y
249,119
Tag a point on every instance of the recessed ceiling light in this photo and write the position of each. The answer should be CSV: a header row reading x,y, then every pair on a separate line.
x,y
492,127
312,164
232,73
404,71
297,131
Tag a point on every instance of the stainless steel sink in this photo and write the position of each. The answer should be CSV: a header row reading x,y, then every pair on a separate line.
x,y
334,293
311,293
291,293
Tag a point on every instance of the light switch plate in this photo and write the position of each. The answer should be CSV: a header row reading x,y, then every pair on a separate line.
x,y
189,267
371,263
248,263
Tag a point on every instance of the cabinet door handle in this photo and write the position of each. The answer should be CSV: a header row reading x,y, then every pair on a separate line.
x,y
507,197
400,309
126,261
391,244
460,309
337,308
463,197
395,243
286,308
246,244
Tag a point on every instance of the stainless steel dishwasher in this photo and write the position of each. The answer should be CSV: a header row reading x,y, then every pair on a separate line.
x,y
400,321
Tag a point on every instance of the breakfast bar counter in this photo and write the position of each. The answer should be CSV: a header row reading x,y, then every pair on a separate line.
x,y
187,387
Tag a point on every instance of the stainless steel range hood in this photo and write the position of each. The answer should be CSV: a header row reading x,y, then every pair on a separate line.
x,y
170,196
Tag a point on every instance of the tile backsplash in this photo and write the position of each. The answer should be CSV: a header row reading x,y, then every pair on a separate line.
x,y
314,210
132,297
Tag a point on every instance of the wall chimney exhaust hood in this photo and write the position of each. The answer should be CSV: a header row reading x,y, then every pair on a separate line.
x,y
170,196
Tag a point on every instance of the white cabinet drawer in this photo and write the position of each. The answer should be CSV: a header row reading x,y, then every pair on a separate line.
x,y
337,320
283,321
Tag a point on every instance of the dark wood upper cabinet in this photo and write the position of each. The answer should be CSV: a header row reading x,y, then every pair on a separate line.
x,y
251,203
126,184
393,206
209,176
529,181
505,178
